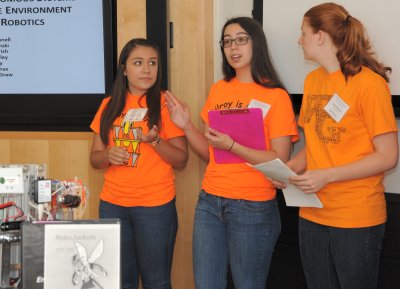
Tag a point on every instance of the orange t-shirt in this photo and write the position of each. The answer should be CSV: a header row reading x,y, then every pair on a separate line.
x,y
240,181
147,180
353,203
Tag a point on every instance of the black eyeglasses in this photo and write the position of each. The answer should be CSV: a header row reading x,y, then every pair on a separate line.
x,y
241,40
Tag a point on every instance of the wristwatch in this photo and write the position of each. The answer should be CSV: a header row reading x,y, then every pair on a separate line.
x,y
156,141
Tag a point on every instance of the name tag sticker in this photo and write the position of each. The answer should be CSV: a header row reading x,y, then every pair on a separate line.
x,y
135,114
336,107
259,104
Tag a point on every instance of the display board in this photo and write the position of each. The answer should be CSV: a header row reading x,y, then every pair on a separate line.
x,y
57,62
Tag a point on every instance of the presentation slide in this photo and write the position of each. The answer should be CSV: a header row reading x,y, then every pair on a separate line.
x,y
51,47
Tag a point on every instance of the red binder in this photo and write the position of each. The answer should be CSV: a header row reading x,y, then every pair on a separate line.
x,y
245,126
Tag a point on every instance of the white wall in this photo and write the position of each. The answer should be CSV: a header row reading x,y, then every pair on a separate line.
x,y
392,179
282,20
223,10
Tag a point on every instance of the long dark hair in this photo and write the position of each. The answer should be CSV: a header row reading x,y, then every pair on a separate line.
x,y
119,90
348,35
262,69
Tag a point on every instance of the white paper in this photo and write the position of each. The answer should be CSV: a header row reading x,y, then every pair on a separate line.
x,y
259,104
135,114
294,197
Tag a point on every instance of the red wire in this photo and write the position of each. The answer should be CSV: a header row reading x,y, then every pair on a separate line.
x,y
6,205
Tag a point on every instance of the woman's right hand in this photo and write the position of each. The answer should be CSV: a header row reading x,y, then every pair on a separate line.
x,y
179,111
277,184
118,156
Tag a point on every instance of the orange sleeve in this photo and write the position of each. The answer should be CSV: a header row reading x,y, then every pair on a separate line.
x,y
281,119
95,125
377,110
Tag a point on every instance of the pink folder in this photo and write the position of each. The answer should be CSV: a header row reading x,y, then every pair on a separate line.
x,y
245,126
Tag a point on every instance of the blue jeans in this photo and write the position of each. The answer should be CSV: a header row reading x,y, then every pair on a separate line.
x,y
147,243
340,258
238,233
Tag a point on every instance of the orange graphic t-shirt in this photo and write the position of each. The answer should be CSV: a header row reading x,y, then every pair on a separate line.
x,y
238,180
353,203
147,180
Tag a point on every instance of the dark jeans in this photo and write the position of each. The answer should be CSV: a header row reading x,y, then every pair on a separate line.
x,y
147,243
235,232
340,258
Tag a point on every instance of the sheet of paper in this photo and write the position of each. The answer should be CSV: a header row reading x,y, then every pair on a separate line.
x,y
294,197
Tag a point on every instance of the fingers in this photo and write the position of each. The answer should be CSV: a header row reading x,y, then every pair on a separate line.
x,y
118,156
212,134
170,97
212,131
278,184
172,101
207,135
304,183
217,139
154,130
147,138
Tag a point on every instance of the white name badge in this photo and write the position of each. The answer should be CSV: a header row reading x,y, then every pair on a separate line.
x,y
336,107
259,104
135,114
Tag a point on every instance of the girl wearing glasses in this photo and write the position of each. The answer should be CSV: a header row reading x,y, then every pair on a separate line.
x,y
138,145
237,220
351,140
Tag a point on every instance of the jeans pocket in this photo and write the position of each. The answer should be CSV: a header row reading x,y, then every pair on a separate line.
x,y
202,194
255,205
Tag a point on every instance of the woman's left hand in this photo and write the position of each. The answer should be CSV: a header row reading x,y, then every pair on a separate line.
x,y
151,136
218,140
310,181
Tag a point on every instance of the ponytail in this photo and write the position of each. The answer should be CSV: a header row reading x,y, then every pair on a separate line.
x,y
349,36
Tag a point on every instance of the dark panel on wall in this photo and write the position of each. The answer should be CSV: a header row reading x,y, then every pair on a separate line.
x,y
258,10
157,25
286,271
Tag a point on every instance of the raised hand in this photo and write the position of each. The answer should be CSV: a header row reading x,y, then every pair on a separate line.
x,y
179,111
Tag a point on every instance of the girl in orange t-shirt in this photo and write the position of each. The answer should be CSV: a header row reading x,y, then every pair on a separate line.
x,y
351,140
237,220
139,146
